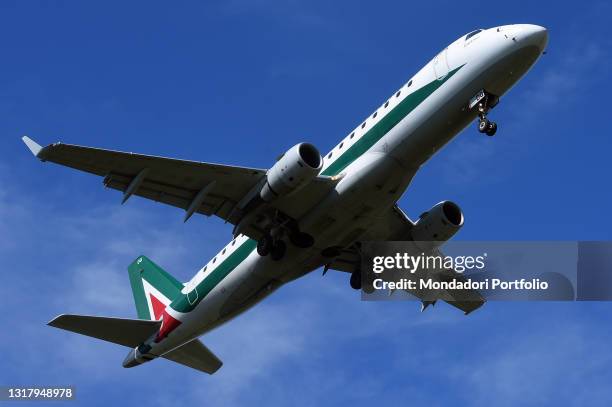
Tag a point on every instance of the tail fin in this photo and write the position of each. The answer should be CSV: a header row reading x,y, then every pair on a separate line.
x,y
152,287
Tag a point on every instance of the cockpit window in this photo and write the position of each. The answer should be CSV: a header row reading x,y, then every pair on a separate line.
x,y
473,33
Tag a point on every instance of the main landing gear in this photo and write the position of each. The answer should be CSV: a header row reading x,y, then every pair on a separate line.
x,y
356,280
359,283
485,101
272,242
276,249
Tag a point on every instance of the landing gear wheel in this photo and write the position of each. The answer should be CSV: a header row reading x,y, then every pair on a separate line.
x,y
264,246
491,129
301,240
278,250
484,124
484,101
356,280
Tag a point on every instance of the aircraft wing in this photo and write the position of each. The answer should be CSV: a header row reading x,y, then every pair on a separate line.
x,y
395,225
196,187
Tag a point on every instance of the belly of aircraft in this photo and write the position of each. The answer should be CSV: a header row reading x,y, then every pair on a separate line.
x,y
371,186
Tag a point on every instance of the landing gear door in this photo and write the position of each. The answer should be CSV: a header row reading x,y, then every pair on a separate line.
x,y
440,64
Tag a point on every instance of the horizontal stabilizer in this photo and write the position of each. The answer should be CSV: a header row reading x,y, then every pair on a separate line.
x,y
196,356
122,331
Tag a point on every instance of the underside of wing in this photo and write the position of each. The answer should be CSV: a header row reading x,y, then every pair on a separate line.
x,y
391,225
179,183
196,187
394,225
466,300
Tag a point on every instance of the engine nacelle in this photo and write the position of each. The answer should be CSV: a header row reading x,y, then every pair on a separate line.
x,y
437,225
296,168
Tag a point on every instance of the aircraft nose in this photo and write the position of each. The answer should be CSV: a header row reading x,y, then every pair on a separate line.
x,y
531,34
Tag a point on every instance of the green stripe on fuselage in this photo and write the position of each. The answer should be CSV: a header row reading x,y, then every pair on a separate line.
x,y
389,121
370,138
182,303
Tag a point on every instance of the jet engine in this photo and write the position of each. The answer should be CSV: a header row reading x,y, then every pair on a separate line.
x,y
294,169
437,225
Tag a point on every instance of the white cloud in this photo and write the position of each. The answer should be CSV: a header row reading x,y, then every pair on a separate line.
x,y
57,260
313,336
299,330
567,76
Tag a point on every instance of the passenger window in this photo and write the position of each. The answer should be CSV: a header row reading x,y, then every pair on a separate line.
x,y
386,103
214,260
329,155
341,144
374,115
223,252
409,83
352,135
398,93
363,125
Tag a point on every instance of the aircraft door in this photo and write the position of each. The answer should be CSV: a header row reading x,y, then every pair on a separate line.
x,y
440,64
192,293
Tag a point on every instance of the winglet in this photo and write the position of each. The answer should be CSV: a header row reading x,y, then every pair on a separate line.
x,y
34,147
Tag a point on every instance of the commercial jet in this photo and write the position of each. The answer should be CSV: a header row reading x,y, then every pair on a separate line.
x,y
307,211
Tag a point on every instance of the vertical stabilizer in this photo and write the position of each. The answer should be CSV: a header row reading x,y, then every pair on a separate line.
x,y
152,287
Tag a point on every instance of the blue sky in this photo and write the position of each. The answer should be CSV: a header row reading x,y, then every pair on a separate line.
x,y
239,82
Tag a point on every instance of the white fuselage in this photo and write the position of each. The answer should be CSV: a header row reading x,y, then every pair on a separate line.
x,y
372,180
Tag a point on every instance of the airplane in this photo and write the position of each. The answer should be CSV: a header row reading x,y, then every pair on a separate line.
x,y
307,211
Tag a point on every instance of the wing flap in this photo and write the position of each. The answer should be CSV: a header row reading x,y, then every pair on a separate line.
x,y
467,300
164,193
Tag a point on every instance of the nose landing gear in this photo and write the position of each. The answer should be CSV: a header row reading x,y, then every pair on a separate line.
x,y
486,126
484,101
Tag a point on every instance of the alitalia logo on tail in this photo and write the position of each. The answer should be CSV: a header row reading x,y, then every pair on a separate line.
x,y
153,288
156,301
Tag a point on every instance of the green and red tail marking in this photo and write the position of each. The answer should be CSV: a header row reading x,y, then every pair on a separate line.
x,y
153,288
